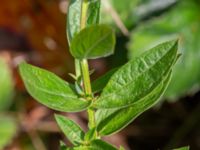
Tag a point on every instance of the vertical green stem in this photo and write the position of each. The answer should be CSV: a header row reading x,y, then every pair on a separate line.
x,y
83,62
91,114
88,91
83,18
85,68
86,78
77,68
84,13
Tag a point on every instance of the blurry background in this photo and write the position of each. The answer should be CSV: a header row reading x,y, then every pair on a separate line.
x,y
34,30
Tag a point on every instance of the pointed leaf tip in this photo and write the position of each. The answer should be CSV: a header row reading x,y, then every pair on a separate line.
x,y
71,130
139,77
50,90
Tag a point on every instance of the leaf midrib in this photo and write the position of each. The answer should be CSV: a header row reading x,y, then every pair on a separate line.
x,y
110,94
78,139
97,43
51,92
146,104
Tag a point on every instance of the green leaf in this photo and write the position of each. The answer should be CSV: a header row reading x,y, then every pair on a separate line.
x,y
74,16
72,131
90,135
139,77
93,42
6,86
63,146
8,129
186,73
121,148
110,121
96,145
100,145
93,13
101,82
50,90
183,148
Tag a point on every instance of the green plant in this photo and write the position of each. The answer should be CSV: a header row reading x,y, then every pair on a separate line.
x,y
8,126
6,88
8,129
183,148
185,78
112,101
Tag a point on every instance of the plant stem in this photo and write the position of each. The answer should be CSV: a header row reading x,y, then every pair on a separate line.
x,y
84,13
91,114
82,26
83,62
85,69
77,68
86,78
88,91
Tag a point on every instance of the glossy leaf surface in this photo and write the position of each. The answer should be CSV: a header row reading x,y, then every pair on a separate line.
x,y
110,121
139,77
74,16
71,130
100,83
186,73
93,42
50,90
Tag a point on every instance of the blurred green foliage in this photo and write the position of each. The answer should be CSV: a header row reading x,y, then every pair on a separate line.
x,y
7,130
183,148
131,12
174,19
6,86
7,124
181,21
123,8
